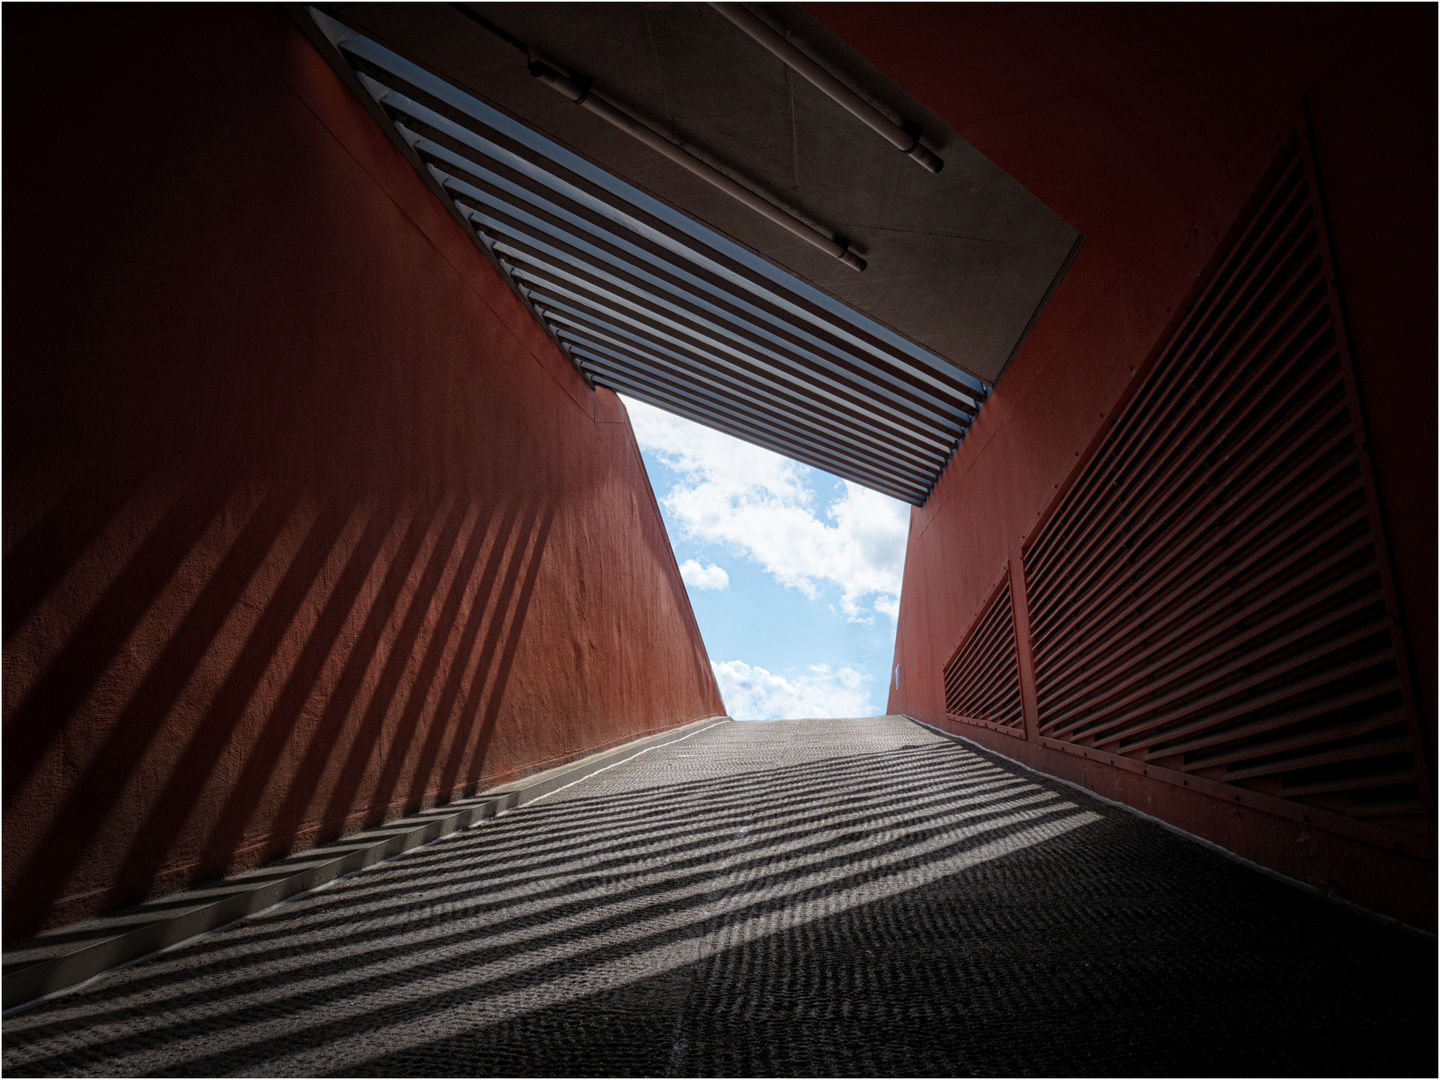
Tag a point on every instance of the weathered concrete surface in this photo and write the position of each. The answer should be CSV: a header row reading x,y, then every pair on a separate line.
x,y
805,897
307,522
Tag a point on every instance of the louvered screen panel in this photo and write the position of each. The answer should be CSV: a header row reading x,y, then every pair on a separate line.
x,y
982,680
1208,599
648,302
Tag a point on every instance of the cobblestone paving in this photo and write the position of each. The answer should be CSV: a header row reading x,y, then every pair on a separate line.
x,y
805,897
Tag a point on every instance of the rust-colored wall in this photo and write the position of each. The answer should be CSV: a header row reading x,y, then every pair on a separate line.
x,y
306,521
1148,127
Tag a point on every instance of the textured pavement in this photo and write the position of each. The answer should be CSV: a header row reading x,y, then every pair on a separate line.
x,y
803,897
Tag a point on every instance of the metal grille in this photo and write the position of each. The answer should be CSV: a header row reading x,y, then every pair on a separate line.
x,y
1209,599
650,303
982,679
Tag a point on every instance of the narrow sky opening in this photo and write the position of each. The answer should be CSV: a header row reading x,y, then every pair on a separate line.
x,y
794,574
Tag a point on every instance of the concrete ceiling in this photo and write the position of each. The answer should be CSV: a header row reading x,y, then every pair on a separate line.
x,y
960,262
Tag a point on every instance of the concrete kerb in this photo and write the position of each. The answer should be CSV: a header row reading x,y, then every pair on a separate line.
x,y
1232,856
58,962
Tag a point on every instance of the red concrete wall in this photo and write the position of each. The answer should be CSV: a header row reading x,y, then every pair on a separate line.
x,y
1147,128
306,522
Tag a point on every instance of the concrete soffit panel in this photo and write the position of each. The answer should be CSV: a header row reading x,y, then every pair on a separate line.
x,y
663,286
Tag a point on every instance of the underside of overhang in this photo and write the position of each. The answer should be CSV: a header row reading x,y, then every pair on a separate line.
x,y
661,285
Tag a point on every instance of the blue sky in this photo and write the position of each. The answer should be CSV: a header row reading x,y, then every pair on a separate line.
x,y
794,575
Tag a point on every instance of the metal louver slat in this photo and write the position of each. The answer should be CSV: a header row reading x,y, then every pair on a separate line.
x,y
1208,599
648,302
982,678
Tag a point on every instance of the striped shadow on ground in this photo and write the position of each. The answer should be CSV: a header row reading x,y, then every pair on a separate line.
x,y
840,896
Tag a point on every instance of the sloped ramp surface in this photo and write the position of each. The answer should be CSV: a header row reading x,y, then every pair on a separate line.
x,y
802,897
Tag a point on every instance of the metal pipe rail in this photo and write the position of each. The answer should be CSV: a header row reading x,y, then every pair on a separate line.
x,y
907,142
590,99
587,97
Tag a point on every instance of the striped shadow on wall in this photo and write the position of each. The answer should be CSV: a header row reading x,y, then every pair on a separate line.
x,y
1210,600
982,679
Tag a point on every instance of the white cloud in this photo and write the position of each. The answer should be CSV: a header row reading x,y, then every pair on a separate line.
x,y
752,693
762,505
703,577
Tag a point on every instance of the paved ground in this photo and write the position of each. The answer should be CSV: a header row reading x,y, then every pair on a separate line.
x,y
806,897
